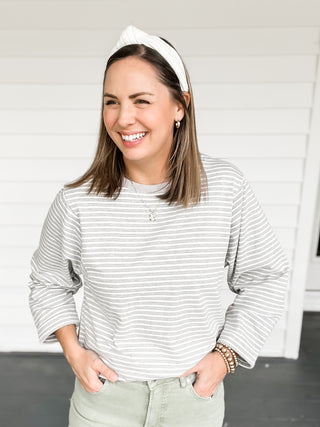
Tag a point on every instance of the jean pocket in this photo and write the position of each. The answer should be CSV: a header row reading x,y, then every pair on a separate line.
x,y
105,383
206,399
95,393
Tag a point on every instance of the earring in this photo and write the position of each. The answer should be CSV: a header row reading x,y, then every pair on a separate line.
x,y
177,124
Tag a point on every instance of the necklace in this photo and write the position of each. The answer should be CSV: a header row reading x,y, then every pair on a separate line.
x,y
153,216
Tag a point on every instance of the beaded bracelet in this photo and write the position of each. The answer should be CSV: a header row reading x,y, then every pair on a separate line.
x,y
234,354
228,355
225,359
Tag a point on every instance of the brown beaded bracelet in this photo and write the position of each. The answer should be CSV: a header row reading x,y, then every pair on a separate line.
x,y
228,355
225,359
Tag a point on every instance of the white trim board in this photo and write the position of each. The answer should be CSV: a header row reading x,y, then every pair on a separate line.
x,y
304,230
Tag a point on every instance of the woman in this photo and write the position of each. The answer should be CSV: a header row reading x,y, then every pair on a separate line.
x,y
148,231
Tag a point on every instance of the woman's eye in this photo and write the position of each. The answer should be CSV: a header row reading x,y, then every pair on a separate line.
x,y
110,102
142,101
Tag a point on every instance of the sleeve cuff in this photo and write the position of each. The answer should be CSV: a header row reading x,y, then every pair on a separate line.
x,y
46,332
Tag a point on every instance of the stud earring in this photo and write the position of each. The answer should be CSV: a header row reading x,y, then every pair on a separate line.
x,y
177,124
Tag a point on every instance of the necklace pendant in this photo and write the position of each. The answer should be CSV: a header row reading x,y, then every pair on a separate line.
x,y
152,216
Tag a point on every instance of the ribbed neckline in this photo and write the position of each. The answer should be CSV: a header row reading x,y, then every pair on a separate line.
x,y
145,188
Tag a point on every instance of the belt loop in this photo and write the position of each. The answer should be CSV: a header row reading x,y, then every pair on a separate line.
x,y
189,379
183,381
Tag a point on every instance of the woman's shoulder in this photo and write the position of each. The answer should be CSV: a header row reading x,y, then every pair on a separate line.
x,y
79,190
218,169
68,198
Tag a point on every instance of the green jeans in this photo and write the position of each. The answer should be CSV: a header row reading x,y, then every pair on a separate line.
x,y
166,402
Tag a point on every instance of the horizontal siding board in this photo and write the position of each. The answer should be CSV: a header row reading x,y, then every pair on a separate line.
x,y
52,97
29,192
198,42
251,69
50,122
48,15
26,214
244,41
17,278
24,236
88,97
253,121
14,278
287,237
211,69
244,146
42,170
268,121
15,257
278,193
52,70
282,216
18,315
271,95
49,146
27,339
84,146
16,301
287,170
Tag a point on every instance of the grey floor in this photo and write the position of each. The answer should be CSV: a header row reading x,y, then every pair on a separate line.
x,y
35,388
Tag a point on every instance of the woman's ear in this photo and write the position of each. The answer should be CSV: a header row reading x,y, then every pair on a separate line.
x,y
180,111
186,96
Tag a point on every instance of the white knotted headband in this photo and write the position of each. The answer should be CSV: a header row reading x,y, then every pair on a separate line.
x,y
132,35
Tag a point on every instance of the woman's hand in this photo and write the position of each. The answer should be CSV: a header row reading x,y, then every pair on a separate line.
x,y
210,370
87,366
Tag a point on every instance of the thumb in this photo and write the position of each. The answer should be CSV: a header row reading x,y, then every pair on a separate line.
x,y
190,371
109,373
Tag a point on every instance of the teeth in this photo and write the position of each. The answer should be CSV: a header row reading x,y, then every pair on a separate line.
x,y
133,137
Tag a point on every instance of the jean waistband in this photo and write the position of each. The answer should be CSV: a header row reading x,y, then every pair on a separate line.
x,y
182,380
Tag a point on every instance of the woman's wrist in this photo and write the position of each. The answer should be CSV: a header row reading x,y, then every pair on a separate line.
x,y
67,336
229,356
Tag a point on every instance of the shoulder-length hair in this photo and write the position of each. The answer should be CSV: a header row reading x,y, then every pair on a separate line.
x,y
188,183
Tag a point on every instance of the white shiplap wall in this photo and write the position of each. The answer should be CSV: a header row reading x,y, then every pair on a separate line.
x,y
253,67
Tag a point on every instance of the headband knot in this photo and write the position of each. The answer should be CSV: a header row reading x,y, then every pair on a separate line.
x,y
132,35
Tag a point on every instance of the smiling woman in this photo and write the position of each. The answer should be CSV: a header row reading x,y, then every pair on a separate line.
x,y
142,94
148,231
140,123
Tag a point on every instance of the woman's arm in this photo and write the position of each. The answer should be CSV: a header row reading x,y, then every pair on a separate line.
x,y
258,274
56,271
55,278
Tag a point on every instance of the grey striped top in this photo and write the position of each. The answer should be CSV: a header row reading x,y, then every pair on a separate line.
x,y
152,290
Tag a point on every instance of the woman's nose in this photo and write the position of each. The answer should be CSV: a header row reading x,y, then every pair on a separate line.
x,y
126,115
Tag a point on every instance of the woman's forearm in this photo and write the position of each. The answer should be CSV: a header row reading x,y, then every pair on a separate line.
x,y
67,336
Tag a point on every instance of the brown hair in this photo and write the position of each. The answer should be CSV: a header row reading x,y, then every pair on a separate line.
x,y
185,169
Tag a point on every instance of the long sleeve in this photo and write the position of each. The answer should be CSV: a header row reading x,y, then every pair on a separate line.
x,y
55,276
258,273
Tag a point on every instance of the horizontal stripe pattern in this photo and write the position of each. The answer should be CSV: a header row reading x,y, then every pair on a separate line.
x,y
152,290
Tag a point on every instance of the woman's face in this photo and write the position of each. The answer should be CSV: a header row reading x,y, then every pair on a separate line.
x,y
139,113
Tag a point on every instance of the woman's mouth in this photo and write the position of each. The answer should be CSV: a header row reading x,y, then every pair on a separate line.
x,y
132,139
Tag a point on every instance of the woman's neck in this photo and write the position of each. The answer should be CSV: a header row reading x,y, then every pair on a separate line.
x,y
146,175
